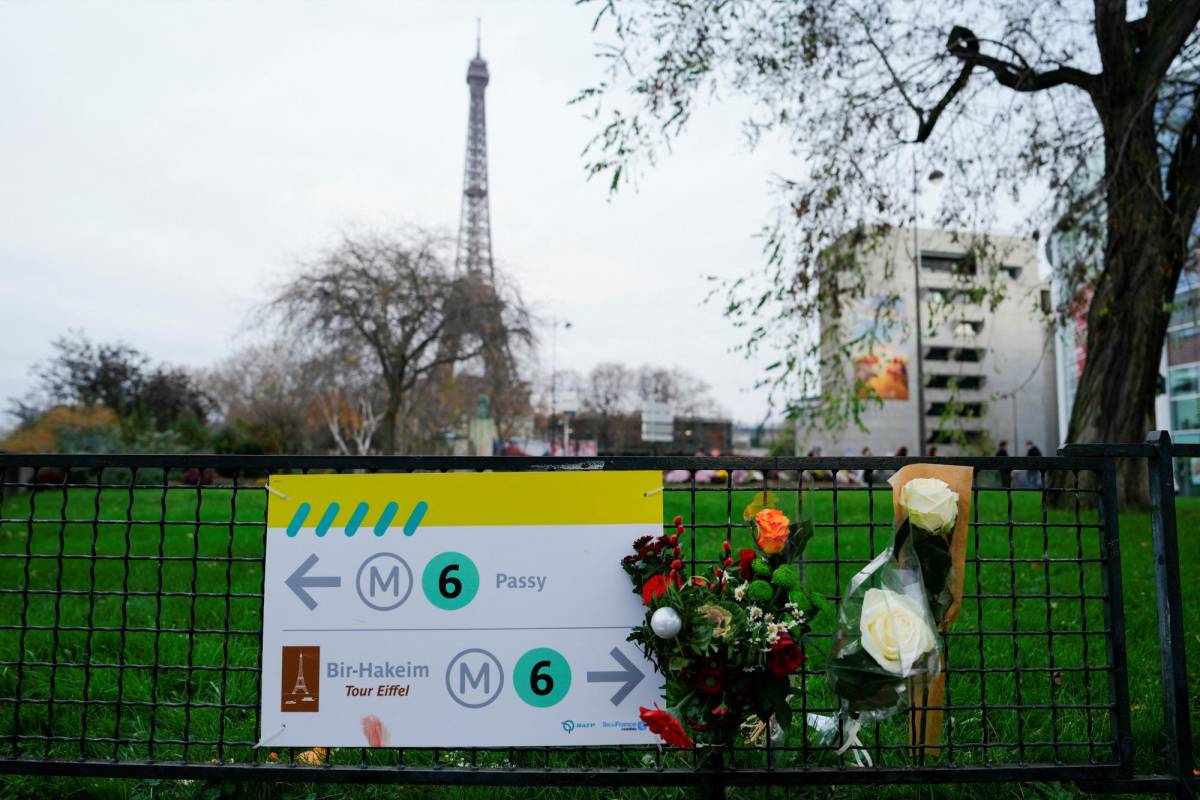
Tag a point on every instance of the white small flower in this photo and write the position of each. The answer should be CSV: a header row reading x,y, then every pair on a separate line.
x,y
792,607
755,613
769,618
740,592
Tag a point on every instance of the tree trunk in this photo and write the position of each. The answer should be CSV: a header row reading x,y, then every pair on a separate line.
x,y
1129,311
390,440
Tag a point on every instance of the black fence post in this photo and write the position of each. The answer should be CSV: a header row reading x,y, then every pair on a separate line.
x,y
1170,611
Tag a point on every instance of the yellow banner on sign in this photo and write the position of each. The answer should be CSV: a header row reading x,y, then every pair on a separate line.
x,y
458,499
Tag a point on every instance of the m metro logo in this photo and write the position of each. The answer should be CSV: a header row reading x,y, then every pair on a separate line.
x,y
300,686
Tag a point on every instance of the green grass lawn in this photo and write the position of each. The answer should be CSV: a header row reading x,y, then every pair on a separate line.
x,y
1021,582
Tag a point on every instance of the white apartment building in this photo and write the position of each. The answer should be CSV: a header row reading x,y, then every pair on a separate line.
x,y
992,368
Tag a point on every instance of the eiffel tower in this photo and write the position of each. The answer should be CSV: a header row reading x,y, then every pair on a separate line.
x,y
301,687
475,309
475,222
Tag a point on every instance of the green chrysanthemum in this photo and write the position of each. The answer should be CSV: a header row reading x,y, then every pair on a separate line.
x,y
786,576
760,591
761,568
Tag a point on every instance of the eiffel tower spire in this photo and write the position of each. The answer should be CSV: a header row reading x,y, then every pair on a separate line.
x,y
475,226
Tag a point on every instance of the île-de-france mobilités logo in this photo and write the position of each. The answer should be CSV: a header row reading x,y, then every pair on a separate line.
x,y
300,686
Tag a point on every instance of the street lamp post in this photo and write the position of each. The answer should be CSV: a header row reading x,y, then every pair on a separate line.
x,y
555,322
935,177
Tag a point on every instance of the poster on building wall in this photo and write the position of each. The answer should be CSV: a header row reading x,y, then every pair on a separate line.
x,y
455,610
881,366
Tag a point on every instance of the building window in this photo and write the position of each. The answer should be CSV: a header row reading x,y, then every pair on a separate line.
x,y
1012,272
969,382
943,263
1183,346
952,437
959,409
937,354
1185,414
1184,380
971,354
1184,312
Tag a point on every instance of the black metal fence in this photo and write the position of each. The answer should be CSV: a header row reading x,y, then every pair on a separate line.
x,y
131,605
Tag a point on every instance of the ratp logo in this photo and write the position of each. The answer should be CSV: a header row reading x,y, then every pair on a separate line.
x,y
568,725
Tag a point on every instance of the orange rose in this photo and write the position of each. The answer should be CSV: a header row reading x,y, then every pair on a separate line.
x,y
773,530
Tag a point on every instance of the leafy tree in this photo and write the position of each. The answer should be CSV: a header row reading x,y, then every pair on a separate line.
x,y
118,377
1097,103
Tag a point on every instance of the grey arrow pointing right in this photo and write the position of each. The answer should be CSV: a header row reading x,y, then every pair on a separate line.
x,y
299,581
629,675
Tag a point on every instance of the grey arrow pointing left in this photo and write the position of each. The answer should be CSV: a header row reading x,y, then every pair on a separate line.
x,y
300,581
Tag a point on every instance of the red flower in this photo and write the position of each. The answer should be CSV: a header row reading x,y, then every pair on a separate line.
x,y
746,557
678,519
641,542
654,587
785,656
666,726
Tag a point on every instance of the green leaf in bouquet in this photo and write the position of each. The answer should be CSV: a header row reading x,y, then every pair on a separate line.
x,y
860,682
802,534
933,553
821,603
775,692
763,499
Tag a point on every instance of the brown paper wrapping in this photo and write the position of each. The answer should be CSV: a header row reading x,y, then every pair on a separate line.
x,y
925,724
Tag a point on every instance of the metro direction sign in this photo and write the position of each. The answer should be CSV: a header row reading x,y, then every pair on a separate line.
x,y
455,610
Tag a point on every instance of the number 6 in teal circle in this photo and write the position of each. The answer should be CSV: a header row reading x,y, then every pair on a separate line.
x,y
542,677
450,581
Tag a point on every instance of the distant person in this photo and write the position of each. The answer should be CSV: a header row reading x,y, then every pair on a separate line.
x,y
902,451
1034,475
1005,474
933,452
868,474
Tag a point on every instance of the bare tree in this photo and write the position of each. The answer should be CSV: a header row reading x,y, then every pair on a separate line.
x,y
688,395
267,390
1098,103
347,399
608,389
394,299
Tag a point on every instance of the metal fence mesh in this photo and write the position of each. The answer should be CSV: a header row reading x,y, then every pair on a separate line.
x,y
131,606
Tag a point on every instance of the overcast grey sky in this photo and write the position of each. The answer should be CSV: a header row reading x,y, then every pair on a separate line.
x,y
165,163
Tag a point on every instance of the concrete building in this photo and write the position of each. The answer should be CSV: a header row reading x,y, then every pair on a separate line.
x,y
988,374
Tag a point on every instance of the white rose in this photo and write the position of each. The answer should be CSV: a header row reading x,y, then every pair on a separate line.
x,y
893,629
930,504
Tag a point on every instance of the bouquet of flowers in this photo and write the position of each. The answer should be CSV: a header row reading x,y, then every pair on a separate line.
x,y
889,616
726,640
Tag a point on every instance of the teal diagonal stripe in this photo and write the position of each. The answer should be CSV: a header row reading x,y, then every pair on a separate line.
x,y
414,519
327,520
356,519
301,514
385,519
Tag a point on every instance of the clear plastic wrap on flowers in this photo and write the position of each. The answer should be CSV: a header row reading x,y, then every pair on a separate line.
x,y
886,642
886,634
